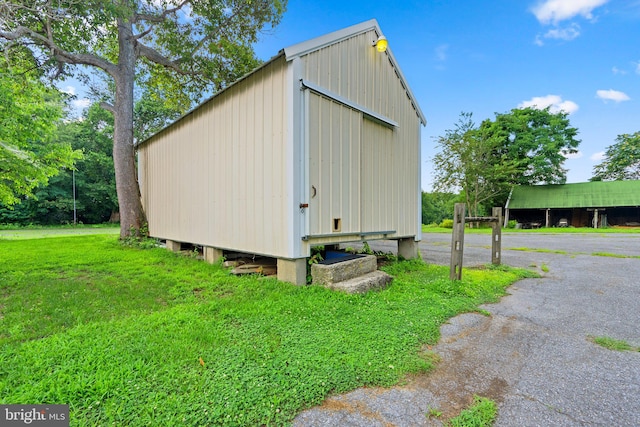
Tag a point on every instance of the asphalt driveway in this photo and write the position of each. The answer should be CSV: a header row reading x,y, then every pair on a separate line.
x,y
533,355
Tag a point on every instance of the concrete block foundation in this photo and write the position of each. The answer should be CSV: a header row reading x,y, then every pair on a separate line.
x,y
293,270
408,248
173,246
212,255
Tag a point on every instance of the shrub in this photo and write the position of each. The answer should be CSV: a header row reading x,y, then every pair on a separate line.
x,y
446,223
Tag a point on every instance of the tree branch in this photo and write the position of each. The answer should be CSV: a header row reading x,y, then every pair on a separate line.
x,y
107,106
153,56
59,54
158,18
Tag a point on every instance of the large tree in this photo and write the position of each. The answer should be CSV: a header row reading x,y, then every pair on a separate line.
x,y
523,147
537,139
196,45
467,162
29,113
621,160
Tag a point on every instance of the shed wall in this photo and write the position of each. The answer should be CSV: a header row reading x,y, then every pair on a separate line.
x,y
390,158
218,176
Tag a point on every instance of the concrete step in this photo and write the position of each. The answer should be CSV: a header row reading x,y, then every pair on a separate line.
x,y
325,274
375,280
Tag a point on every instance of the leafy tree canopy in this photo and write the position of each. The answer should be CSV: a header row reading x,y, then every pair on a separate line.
x,y
29,113
523,147
621,160
181,48
538,141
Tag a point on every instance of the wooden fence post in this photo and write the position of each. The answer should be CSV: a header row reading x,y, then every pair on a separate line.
x,y
496,236
457,242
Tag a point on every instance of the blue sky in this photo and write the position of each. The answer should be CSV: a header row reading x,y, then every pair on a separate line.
x,y
488,56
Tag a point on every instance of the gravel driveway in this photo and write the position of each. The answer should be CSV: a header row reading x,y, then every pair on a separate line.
x,y
533,355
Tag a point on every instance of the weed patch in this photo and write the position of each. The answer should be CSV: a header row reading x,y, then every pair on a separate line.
x,y
481,414
544,251
613,344
612,255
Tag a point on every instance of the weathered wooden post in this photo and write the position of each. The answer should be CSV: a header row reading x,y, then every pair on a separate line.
x,y
496,236
457,242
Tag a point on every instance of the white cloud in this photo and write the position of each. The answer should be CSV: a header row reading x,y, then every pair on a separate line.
x,y
576,155
616,71
441,52
81,103
554,11
69,89
597,157
555,102
638,68
568,33
612,95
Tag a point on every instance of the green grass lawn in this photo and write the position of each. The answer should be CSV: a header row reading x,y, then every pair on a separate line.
x,y
147,337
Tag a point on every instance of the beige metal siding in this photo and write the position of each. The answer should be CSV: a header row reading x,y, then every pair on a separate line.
x,y
380,197
334,162
390,158
217,176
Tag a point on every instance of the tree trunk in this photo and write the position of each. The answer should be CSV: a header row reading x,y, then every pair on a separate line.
x,y
132,217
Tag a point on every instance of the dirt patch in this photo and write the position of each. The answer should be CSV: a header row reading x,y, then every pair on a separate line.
x,y
338,404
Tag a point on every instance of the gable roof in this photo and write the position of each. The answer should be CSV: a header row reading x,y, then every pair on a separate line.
x,y
598,194
303,48
309,46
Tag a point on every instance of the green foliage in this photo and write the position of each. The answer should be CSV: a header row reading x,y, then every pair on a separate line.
x,y
481,414
466,162
140,239
434,412
535,142
130,337
366,249
95,188
179,51
446,223
613,344
153,111
437,206
523,147
621,160
29,113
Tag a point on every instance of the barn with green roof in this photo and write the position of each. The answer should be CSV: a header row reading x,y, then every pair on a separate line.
x,y
586,204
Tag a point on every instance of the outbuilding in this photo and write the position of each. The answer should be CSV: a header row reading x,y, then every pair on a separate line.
x,y
318,146
585,204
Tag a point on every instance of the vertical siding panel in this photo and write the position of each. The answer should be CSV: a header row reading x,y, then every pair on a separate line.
x,y
359,73
314,163
215,177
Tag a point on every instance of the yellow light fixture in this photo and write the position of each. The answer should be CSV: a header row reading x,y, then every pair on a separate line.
x,y
381,44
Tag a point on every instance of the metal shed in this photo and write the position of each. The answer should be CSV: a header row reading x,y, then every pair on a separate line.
x,y
320,145
585,204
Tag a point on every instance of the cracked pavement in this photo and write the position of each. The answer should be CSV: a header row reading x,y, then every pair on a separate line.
x,y
532,355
